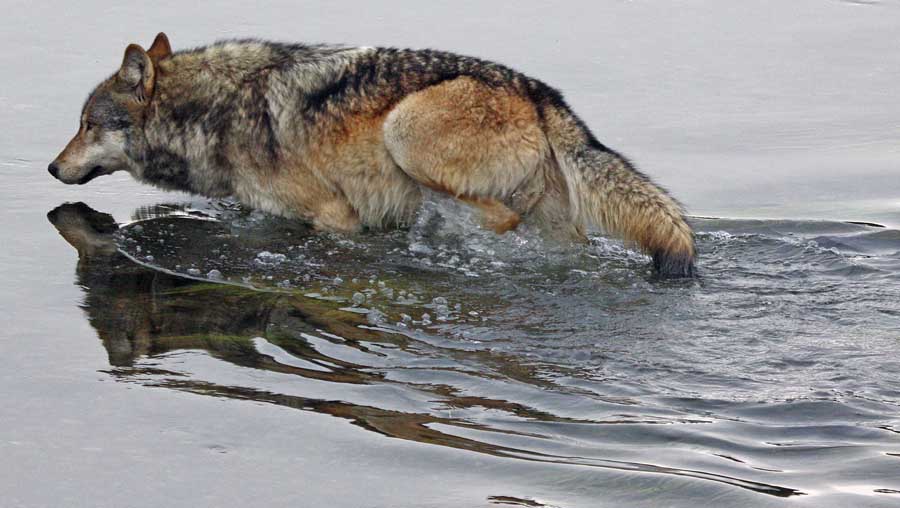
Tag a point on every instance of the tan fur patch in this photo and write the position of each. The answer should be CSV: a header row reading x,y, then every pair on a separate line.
x,y
469,140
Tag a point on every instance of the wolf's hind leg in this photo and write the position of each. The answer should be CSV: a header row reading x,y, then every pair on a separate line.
x,y
479,143
494,214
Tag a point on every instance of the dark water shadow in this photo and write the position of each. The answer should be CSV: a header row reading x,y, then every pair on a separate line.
x,y
140,313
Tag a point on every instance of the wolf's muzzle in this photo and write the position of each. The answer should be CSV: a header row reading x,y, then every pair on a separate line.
x,y
93,173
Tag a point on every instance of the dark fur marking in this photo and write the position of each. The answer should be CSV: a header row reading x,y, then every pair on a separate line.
x,y
189,111
166,169
388,75
269,133
317,100
257,113
103,111
674,266
212,118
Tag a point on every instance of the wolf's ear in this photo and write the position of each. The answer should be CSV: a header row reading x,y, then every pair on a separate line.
x,y
160,48
137,72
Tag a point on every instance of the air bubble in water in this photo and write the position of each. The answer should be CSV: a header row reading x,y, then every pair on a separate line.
x,y
376,317
267,258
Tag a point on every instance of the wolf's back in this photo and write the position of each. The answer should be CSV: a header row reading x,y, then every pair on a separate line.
x,y
606,190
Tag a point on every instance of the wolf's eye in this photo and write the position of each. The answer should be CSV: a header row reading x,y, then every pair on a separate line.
x,y
88,126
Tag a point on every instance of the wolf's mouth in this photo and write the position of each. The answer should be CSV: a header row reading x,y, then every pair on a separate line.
x,y
93,173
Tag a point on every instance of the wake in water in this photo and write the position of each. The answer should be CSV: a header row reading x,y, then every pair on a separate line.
x,y
775,372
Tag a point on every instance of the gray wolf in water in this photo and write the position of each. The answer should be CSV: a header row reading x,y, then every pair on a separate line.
x,y
348,137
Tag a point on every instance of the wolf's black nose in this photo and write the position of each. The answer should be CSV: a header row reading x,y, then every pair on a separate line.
x,y
54,170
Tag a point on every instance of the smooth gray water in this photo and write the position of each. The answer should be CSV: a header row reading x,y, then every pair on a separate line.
x,y
158,349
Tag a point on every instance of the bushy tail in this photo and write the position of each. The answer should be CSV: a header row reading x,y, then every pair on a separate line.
x,y
606,190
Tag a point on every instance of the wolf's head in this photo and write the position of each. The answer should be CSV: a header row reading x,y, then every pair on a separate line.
x,y
112,119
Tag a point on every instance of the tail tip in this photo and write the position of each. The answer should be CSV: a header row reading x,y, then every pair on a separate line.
x,y
674,265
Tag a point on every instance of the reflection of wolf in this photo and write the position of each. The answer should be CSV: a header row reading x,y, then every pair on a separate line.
x,y
127,304
137,311
347,137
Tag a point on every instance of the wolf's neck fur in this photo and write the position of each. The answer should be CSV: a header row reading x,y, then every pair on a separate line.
x,y
208,102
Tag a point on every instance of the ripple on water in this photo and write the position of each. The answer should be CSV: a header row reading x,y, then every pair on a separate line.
x,y
774,373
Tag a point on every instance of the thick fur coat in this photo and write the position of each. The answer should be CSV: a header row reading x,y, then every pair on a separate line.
x,y
346,138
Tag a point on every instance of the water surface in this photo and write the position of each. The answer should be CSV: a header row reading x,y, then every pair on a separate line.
x,y
159,349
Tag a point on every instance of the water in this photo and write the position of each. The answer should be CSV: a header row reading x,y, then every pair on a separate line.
x,y
163,349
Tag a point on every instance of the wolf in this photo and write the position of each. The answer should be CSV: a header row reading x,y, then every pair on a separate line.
x,y
348,138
